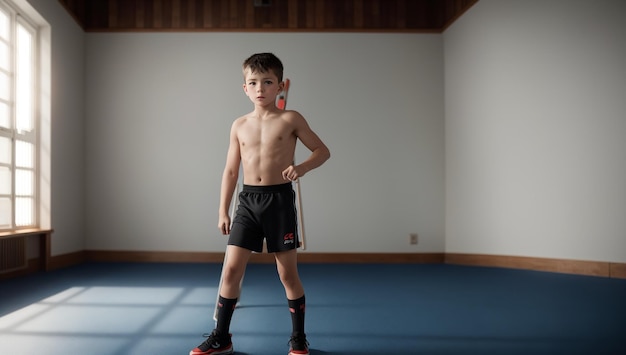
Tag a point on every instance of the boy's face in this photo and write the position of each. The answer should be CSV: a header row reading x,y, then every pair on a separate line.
x,y
262,88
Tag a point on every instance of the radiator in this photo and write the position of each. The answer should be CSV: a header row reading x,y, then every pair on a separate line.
x,y
12,254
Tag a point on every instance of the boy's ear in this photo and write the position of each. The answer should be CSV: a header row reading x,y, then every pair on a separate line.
x,y
281,86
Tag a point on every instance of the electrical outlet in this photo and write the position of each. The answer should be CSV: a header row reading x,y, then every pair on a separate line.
x,y
413,238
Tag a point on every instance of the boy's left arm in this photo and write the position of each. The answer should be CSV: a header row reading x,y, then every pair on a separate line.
x,y
319,151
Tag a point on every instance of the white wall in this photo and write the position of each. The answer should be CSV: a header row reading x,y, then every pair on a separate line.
x,y
66,127
158,111
536,129
534,152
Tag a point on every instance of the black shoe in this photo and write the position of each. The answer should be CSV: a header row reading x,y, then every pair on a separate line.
x,y
215,344
298,345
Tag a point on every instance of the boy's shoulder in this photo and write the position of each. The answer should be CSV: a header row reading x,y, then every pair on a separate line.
x,y
281,114
242,119
290,114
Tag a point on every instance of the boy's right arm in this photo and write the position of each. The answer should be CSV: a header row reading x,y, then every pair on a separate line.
x,y
229,181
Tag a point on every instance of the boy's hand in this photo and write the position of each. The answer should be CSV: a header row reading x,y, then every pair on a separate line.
x,y
224,224
291,173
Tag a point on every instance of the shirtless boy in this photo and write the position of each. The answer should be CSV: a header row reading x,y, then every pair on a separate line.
x,y
264,143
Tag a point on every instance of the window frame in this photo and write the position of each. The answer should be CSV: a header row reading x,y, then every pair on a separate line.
x,y
17,20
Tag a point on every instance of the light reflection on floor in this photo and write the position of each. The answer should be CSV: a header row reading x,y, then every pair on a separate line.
x,y
108,320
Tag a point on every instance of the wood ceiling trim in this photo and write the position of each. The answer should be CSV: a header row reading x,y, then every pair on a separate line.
x,y
279,16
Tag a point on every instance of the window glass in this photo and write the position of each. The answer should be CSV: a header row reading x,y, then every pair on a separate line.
x,y
4,25
5,86
24,180
24,154
5,150
4,56
24,211
5,212
5,180
5,115
24,81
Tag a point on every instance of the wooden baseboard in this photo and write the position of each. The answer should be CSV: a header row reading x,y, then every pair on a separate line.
x,y
181,257
617,270
375,258
66,260
579,267
152,256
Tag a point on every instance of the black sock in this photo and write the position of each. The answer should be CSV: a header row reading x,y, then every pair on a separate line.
x,y
225,309
297,308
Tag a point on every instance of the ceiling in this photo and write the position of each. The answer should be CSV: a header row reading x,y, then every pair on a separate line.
x,y
266,15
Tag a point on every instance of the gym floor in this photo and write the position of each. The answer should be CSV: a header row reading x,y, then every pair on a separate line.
x,y
164,308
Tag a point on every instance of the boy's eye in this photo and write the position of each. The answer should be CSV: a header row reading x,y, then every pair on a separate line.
x,y
251,83
268,82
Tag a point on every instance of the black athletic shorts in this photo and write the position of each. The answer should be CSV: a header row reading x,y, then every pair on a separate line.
x,y
266,212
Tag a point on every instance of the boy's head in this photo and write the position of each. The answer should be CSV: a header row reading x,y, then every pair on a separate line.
x,y
264,63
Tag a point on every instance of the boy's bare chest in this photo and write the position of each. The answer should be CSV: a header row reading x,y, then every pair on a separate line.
x,y
265,133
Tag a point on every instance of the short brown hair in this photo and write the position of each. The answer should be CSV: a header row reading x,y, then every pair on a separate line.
x,y
263,63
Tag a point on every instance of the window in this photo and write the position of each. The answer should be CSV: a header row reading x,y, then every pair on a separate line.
x,y
19,145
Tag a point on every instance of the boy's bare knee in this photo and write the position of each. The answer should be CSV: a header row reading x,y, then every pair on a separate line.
x,y
290,280
232,276
287,279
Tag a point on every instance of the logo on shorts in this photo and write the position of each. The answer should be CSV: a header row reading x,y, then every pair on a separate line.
x,y
289,238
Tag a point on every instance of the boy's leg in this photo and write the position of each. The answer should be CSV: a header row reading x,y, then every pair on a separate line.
x,y
233,270
233,205
219,288
219,341
287,265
